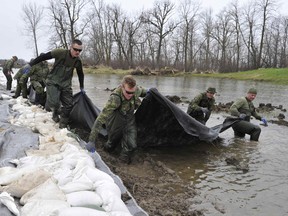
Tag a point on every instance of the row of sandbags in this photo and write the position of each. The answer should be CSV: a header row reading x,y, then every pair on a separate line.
x,y
59,178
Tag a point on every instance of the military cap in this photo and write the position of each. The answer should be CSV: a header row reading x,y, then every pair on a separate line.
x,y
252,91
15,57
211,90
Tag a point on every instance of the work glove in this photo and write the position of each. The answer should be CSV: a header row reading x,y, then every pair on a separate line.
x,y
204,110
82,91
90,146
264,121
242,116
26,68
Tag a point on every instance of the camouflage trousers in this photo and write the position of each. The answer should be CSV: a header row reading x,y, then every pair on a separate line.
x,y
122,130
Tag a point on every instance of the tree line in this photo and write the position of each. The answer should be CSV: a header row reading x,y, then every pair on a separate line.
x,y
183,36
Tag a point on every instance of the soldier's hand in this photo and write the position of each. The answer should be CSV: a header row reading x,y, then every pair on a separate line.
x,y
205,110
242,116
90,146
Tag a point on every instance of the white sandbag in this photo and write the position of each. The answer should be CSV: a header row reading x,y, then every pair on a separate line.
x,y
8,201
79,211
6,170
14,174
26,183
81,184
97,175
42,207
120,213
46,191
63,176
88,199
111,196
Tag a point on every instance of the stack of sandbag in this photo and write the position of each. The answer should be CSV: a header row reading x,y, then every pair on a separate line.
x,y
59,178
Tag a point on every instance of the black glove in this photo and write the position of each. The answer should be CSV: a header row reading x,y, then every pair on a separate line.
x,y
90,146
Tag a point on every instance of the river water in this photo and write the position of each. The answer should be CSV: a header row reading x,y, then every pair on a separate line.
x,y
223,189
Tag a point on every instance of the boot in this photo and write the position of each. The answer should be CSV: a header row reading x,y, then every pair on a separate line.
x,y
63,122
55,116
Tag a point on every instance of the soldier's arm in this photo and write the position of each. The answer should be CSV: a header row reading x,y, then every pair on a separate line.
x,y
234,109
41,58
80,74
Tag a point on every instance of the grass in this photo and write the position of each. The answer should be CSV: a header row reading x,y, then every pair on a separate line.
x,y
274,75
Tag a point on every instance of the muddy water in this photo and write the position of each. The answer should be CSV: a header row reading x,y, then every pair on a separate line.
x,y
224,189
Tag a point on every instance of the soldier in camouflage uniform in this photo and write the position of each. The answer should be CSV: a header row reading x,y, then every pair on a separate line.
x,y
201,106
118,117
38,75
244,109
7,70
59,80
21,88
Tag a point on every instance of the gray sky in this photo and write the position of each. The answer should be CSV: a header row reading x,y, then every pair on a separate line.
x,y
14,42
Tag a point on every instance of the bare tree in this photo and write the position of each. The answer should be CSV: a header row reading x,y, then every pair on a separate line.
x,y
32,17
67,16
158,19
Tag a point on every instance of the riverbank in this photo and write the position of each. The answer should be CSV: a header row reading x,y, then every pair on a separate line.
x,y
273,75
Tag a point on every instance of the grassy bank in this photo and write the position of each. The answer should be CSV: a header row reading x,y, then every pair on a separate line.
x,y
275,75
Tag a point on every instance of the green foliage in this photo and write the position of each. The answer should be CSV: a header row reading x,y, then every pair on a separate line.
x,y
275,75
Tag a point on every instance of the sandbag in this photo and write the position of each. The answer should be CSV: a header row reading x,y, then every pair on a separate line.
x,y
88,199
79,211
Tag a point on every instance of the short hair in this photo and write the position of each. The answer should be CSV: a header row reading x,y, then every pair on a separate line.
x,y
129,80
77,42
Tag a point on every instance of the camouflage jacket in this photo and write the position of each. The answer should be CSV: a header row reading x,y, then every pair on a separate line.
x,y
201,100
243,105
38,72
117,101
8,65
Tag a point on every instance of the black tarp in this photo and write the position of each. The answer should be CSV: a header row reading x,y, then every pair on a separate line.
x,y
159,121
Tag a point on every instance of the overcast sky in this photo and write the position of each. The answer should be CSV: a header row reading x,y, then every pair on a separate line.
x,y
14,42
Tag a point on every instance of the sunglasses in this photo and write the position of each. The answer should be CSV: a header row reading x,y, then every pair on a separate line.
x,y
128,92
77,50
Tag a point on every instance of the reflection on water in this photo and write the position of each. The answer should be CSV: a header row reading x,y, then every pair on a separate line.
x,y
223,190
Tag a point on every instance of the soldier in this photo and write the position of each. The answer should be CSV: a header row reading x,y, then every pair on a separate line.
x,y
7,70
59,80
201,106
244,109
20,88
38,75
118,117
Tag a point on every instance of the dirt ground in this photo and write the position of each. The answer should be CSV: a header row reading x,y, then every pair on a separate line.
x,y
149,182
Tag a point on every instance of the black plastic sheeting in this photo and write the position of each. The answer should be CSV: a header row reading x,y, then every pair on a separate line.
x,y
159,121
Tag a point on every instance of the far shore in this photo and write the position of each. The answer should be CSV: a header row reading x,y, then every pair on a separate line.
x,y
273,75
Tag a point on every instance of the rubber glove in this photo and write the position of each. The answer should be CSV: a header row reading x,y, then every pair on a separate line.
x,y
204,110
82,91
242,116
90,146
264,121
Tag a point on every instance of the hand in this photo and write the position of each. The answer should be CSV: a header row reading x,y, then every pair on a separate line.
x,y
26,68
242,116
82,91
90,146
205,110
264,121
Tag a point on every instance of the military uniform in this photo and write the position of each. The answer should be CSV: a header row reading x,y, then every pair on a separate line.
x,y
194,108
118,117
59,83
21,87
38,75
244,106
7,70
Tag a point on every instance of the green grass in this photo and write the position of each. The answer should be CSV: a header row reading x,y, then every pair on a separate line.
x,y
274,75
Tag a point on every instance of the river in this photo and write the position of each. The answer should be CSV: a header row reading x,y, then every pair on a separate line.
x,y
223,189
